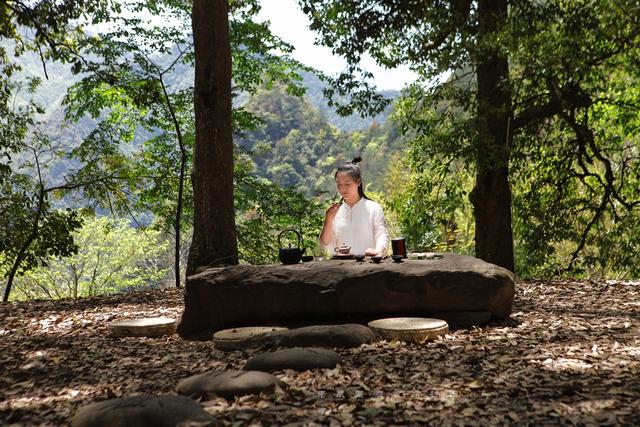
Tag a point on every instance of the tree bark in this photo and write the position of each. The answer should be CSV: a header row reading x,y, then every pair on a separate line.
x,y
214,233
491,196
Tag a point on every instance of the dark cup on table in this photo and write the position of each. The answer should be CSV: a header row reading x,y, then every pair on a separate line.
x,y
399,247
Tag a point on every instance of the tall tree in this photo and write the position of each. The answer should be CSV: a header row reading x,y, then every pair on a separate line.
x,y
135,67
529,62
214,231
435,38
491,196
31,227
146,70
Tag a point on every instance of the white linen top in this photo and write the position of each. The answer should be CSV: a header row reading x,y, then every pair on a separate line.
x,y
361,227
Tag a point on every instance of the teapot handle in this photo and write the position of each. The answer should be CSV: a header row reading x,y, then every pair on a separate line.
x,y
290,229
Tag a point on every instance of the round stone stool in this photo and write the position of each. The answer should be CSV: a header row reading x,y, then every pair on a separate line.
x,y
144,327
412,329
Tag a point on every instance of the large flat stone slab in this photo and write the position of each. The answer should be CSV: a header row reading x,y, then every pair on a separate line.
x,y
331,291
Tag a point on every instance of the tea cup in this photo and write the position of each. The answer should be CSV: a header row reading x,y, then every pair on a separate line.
x,y
343,249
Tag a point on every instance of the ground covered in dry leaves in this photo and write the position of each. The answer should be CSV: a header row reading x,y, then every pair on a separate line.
x,y
569,355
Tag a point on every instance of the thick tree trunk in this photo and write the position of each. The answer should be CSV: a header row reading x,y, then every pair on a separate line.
x,y
491,196
214,233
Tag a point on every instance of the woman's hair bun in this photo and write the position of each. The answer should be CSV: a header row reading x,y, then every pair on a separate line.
x,y
356,159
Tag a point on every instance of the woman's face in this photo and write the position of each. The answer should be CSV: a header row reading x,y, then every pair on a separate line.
x,y
347,186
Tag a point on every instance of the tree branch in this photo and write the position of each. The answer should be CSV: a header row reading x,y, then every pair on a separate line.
x,y
74,186
585,138
537,112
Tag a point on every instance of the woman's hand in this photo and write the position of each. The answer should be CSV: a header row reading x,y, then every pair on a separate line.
x,y
327,228
331,212
370,252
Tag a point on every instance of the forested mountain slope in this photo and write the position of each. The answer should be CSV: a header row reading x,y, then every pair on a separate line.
x,y
298,144
297,147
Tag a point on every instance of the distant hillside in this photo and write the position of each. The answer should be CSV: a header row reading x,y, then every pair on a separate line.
x,y
59,78
350,123
298,145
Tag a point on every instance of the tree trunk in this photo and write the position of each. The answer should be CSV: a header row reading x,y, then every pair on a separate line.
x,y
25,247
491,196
177,224
214,233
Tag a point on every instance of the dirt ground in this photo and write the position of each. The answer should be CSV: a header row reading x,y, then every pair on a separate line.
x,y
570,354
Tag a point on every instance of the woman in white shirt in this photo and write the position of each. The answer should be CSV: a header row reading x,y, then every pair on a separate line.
x,y
358,221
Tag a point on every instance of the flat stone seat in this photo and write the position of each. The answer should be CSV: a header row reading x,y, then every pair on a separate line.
x,y
143,327
227,384
338,290
237,338
342,336
143,411
412,329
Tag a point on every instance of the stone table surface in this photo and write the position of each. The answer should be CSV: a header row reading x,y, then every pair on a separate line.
x,y
337,290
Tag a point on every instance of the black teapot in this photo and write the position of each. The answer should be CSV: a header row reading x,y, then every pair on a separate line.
x,y
290,255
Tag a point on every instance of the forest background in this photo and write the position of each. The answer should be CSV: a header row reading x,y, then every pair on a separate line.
x,y
97,148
